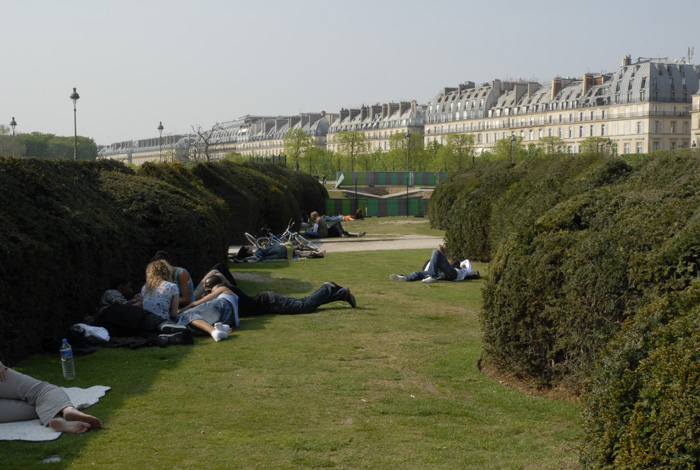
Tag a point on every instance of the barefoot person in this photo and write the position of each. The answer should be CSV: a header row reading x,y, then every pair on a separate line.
x,y
24,398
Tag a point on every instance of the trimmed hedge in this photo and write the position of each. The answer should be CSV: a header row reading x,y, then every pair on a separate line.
x,y
587,251
67,227
641,404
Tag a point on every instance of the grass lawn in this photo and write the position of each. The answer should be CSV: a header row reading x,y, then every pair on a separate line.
x,y
392,384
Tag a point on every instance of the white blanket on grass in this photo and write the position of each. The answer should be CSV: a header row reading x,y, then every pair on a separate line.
x,y
34,431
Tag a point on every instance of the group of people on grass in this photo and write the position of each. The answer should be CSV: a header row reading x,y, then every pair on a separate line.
x,y
168,308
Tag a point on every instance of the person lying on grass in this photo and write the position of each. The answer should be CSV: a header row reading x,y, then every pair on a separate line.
x,y
281,251
439,268
23,398
268,302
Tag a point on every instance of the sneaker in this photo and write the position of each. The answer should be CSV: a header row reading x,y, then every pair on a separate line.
x,y
179,338
398,277
430,280
168,328
348,297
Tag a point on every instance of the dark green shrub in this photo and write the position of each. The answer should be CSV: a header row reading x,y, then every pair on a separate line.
x,y
68,227
641,404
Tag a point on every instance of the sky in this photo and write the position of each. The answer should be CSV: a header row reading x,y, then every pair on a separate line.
x,y
195,63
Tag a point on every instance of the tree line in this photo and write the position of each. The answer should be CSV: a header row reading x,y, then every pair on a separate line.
x,y
37,144
458,153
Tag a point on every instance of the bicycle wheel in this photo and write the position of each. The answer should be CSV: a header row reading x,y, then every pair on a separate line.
x,y
252,240
306,244
263,242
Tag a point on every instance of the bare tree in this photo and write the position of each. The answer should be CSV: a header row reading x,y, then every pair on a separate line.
x,y
205,136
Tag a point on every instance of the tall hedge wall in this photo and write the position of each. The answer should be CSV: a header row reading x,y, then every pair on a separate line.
x,y
67,227
584,252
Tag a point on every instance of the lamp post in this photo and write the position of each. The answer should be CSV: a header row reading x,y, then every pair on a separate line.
x,y
160,142
75,97
512,148
609,145
408,175
13,124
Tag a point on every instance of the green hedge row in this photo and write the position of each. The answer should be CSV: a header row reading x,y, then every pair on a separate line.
x,y
583,252
67,227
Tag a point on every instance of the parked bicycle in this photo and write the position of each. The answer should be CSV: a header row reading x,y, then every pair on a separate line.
x,y
267,238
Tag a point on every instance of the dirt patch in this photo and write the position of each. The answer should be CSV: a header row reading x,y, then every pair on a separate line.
x,y
524,385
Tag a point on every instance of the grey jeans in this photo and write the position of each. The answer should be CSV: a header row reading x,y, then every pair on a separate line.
x,y
23,398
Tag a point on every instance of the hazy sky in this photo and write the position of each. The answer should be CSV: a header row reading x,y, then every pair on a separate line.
x,y
194,63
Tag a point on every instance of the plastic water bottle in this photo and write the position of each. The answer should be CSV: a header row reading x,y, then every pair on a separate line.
x,y
67,360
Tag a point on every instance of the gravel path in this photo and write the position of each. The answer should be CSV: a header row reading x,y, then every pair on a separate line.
x,y
405,242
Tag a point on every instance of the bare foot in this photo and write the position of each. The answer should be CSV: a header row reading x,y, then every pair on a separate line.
x,y
73,427
323,252
362,234
71,414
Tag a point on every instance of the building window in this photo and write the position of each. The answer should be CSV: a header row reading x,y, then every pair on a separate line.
x,y
571,132
530,136
592,131
655,145
549,132
627,148
640,127
602,130
539,134
580,131
639,147
673,127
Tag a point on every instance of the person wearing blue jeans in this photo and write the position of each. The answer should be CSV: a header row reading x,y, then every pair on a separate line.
x,y
268,302
439,268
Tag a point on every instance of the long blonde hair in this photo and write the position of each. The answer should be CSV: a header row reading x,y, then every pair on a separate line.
x,y
156,272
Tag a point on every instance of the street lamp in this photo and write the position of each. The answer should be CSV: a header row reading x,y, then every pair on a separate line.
x,y
160,141
609,144
408,149
75,97
13,124
512,148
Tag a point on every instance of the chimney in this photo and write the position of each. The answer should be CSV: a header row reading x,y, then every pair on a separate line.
x,y
385,111
627,61
364,112
354,113
344,113
556,86
587,82
413,107
520,89
532,87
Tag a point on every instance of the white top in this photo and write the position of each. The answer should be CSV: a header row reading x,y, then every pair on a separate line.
x,y
159,299
465,268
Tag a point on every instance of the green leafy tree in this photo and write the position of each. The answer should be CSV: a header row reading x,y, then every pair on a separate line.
x,y
460,148
52,146
433,154
405,153
296,144
352,144
504,148
6,142
552,145
595,146
321,159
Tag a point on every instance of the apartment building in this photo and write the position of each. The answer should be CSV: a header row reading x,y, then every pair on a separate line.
x,y
260,135
378,123
154,149
642,107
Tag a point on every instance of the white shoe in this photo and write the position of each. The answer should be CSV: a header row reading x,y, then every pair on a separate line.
x,y
398,277
430,280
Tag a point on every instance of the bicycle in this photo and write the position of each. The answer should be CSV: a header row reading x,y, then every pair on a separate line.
x,y
268,238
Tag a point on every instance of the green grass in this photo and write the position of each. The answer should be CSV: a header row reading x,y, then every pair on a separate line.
x,y
392,384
